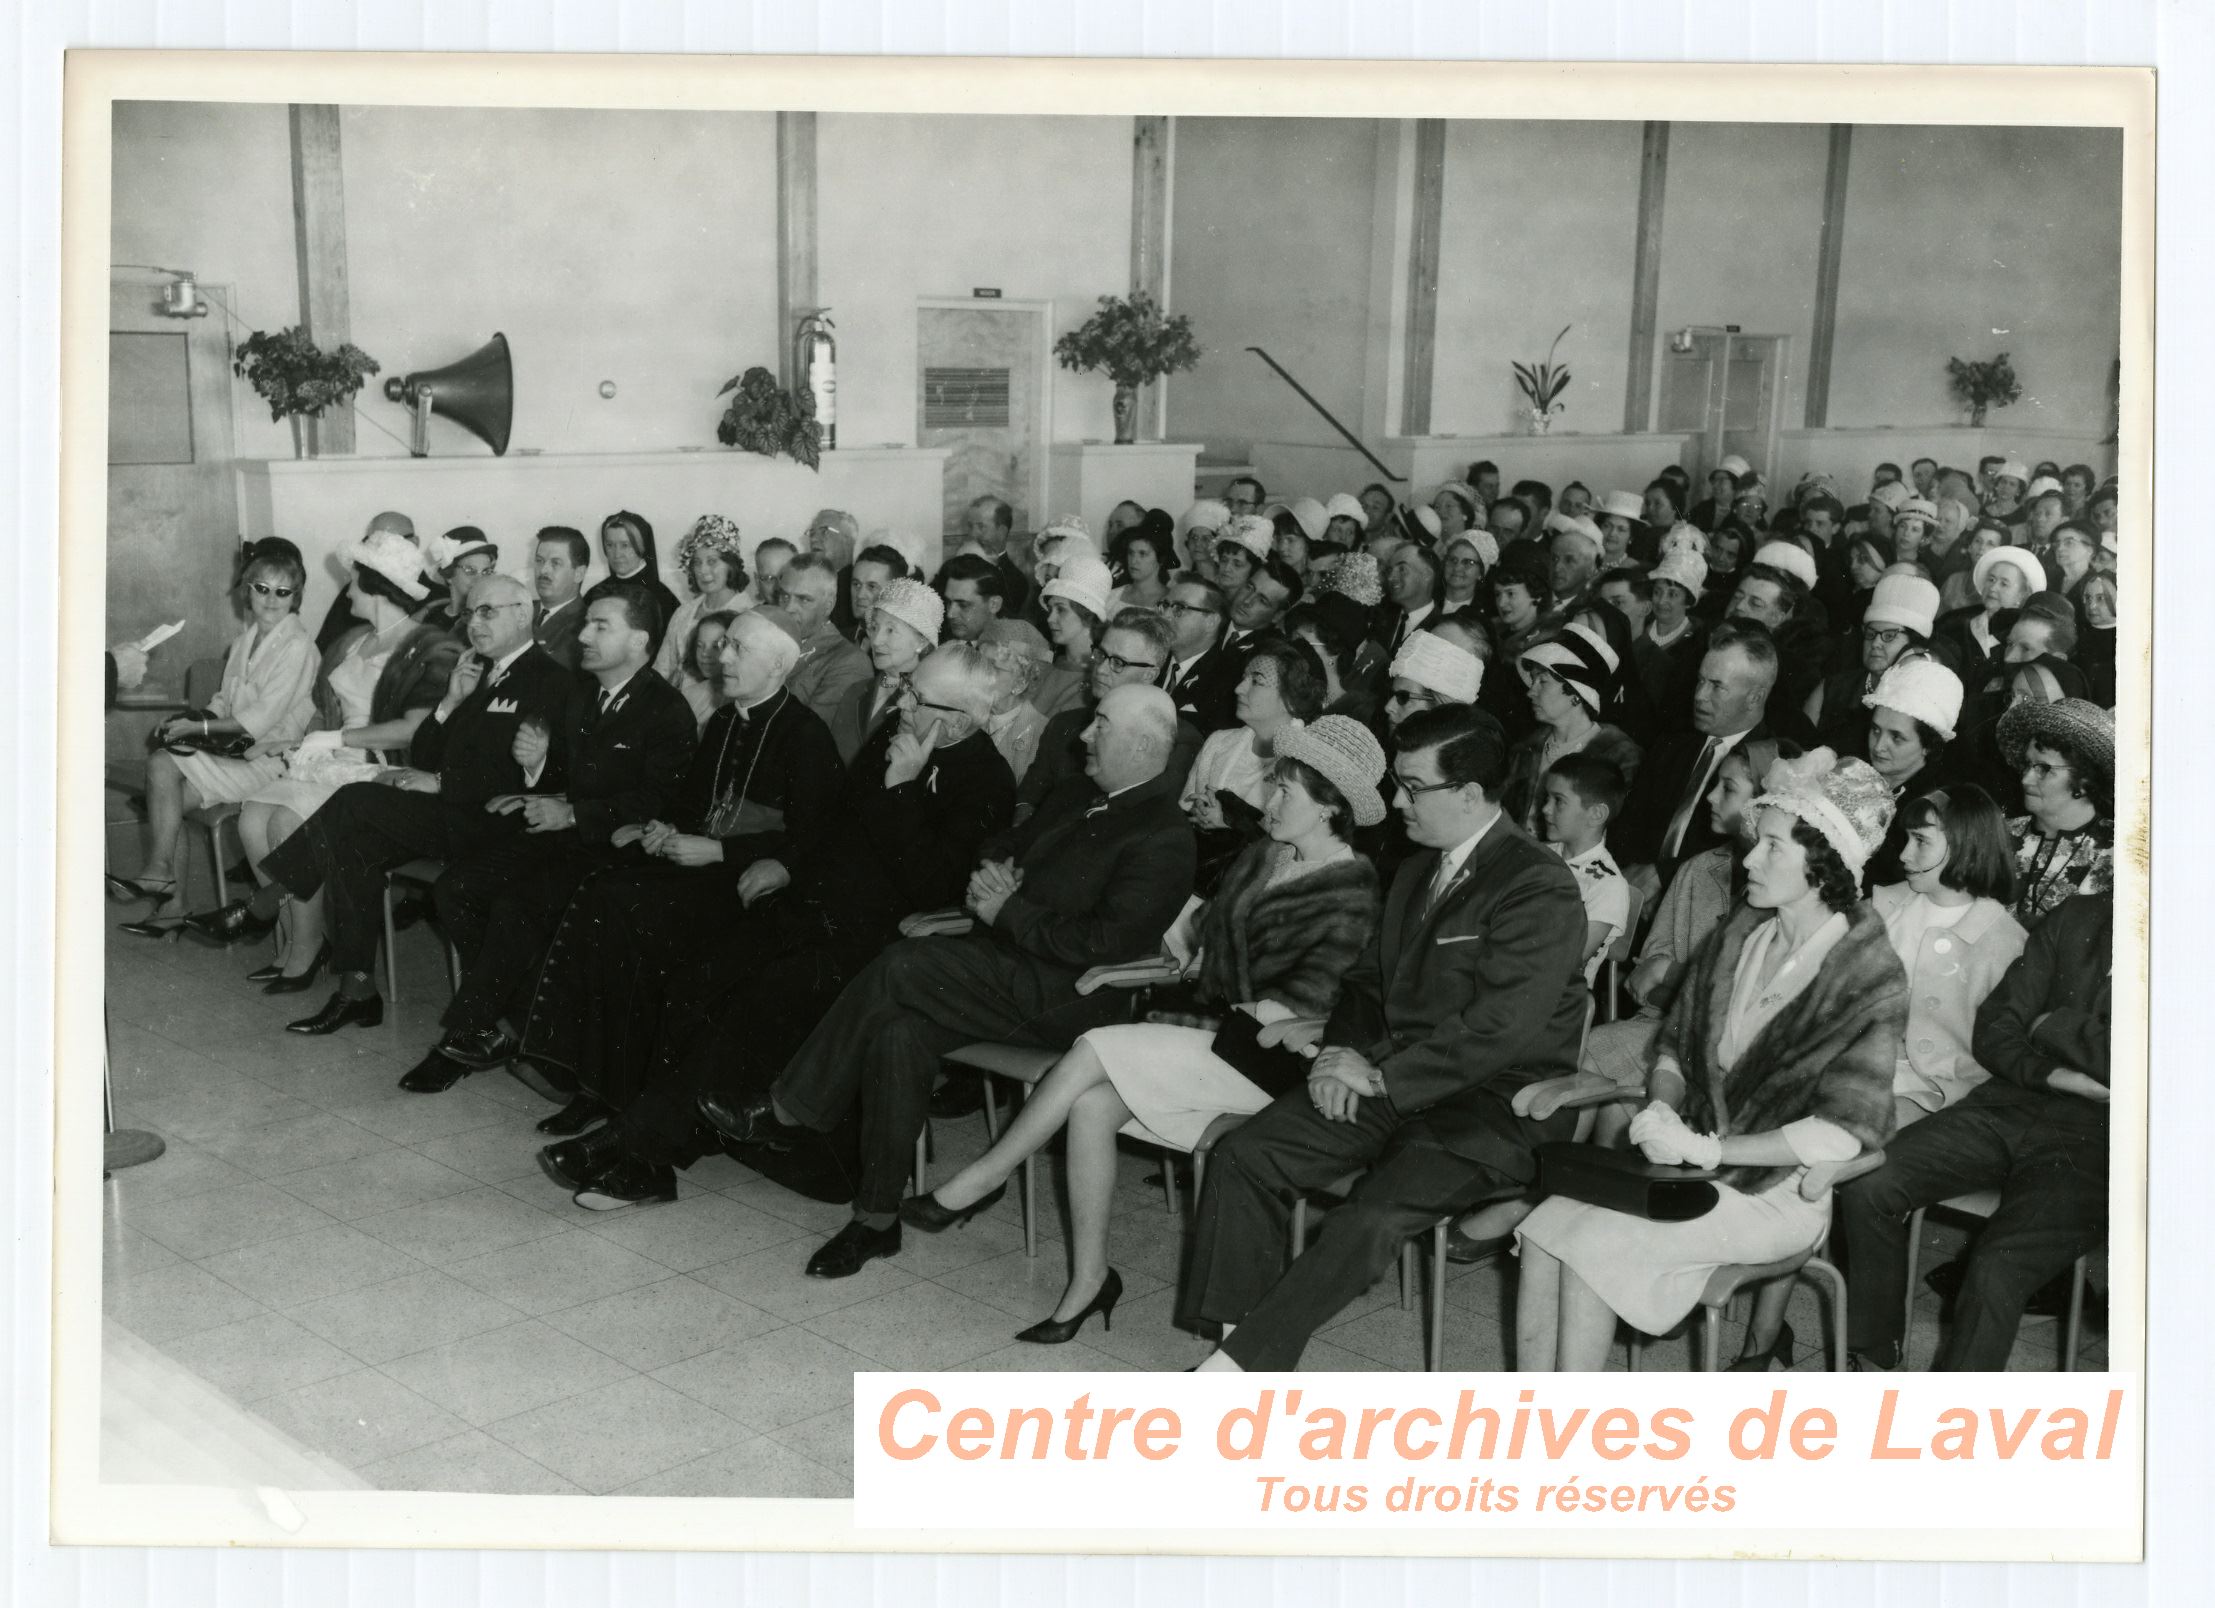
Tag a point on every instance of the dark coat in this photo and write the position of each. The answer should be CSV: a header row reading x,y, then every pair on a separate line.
x,y
2054,1007
621,768
1830,1053
850,725
1293,943
779,760
1208,694
1521,792
557,635
665,601
472,749
1060,758
1100,885
1664,777
1463,1004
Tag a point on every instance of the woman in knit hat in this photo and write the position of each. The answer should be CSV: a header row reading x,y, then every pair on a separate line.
x,y
713,562
1428,672
1076,602
1243,547
1568,680
1272,947
903,626
2064,754
1775,1065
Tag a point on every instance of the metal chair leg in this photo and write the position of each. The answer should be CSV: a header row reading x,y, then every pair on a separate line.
x,y
1407,1275
923,1159
1837,1292
392,950
2075,1331
1299,1227
215,854
1030,1205
1711,1339
1914,1255
1438,1296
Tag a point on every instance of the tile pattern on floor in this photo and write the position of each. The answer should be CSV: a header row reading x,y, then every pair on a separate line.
x,y
389,1278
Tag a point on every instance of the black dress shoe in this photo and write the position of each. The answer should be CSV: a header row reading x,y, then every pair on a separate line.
x,y
480,1051
851,1249
753,1123
434,1074
575,1163
924,1211
578,1115
957,1097
629,1182
282,984
227,924
1060,1331
341,1012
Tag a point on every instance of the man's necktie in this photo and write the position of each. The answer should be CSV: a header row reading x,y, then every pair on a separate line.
x,y
1681,822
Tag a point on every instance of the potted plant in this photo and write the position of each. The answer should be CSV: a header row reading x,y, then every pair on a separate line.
x,y
1133,343
1980,386
297,378
1542,385
763,417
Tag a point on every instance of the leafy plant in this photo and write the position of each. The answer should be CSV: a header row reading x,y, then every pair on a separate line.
x,y
297,378
1543,383
763,417
1983,385
1131,341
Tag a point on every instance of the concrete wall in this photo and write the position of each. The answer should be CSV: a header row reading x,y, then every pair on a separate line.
x,y
1270,236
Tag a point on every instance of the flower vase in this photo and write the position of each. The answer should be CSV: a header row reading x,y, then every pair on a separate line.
x,y
1541,421
299,435
1126,415
1976,415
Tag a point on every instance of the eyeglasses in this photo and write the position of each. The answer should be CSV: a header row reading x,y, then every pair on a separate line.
x,y
1122,666
1883,636
266,590
915,700
2040,769
1415,789
1172,606
485,611
1429,700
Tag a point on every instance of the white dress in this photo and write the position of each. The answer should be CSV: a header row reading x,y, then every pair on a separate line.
x,y
1171,1077
1651,1274
268,688
1229,761
353,681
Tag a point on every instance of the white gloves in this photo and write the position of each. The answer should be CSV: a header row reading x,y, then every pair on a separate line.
x,y
1661,1134
322,739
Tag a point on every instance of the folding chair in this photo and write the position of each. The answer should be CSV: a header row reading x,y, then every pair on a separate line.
x,y
417,875
1977,1206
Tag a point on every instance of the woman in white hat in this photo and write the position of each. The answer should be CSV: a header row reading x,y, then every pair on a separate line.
x,y
1347,520
1468,558
1623,533
1300,527
378,683
2001,580
1568,678
903,626
1775,1065
1912,525
1269,951
1901,613
1429,671
1913,716
1197,529
1457,507
1670,643
1244,545
1076,602
263,705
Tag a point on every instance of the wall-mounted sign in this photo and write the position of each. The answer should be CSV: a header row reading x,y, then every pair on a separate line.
x,y
986,293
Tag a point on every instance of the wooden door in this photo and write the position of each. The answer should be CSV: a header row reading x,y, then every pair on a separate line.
x,y
1728,390
979,393
173,526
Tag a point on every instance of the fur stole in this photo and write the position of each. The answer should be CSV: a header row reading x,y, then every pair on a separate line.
x,y
1293,942
1830,1053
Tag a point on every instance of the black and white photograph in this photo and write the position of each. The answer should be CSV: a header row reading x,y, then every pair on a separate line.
x,y
746,744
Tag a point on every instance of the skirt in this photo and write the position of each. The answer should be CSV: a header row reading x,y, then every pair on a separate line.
x,y
227,781
305,795
1172,1080
1651,1273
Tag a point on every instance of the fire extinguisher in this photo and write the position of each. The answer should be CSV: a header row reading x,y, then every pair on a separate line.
x,y
815,364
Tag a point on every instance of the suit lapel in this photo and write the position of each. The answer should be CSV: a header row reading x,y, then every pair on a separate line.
x,y
1400,907
1480,855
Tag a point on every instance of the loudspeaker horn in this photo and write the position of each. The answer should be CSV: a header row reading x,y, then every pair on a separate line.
x,y
478,393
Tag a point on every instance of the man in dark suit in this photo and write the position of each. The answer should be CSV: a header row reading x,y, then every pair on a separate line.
x,y
1411,591
1132,651
627,735
462,758
1472,988
1269,594
1095,877
1665,818
1202,682
987,526
903,834
559,558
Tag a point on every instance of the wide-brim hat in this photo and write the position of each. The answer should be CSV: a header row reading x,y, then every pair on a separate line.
x,y
1623,505
1922,689
1582,659
2080,723
1084,581
2021,557
1345,506
1344,753
1250,531
394,557
1310,515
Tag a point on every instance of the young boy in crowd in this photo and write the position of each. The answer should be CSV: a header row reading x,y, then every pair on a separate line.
x,y
1582,794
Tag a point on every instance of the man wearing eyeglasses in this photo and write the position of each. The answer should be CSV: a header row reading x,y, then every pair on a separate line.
x,y
466,754
1202,682
1132,652
1472,988
903,835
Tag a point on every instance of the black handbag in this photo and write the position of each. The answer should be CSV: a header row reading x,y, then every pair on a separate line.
x,y
1271,1069
222,744
1625,1181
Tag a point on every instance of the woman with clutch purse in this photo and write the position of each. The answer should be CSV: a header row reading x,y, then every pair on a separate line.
x,y
379,681
223,755
1292,914
1773,1067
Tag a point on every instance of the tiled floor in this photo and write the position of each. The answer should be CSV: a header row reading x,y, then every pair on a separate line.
x,y
389,1279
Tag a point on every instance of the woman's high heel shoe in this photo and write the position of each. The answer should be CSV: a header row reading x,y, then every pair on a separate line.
x,y
1060,1331
165,928
267,974
281,984
1779,1352
924,1211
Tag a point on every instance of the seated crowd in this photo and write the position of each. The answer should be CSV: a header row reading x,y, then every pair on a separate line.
x,y
734,873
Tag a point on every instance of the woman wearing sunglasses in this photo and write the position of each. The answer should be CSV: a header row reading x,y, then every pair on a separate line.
x,y
267,699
